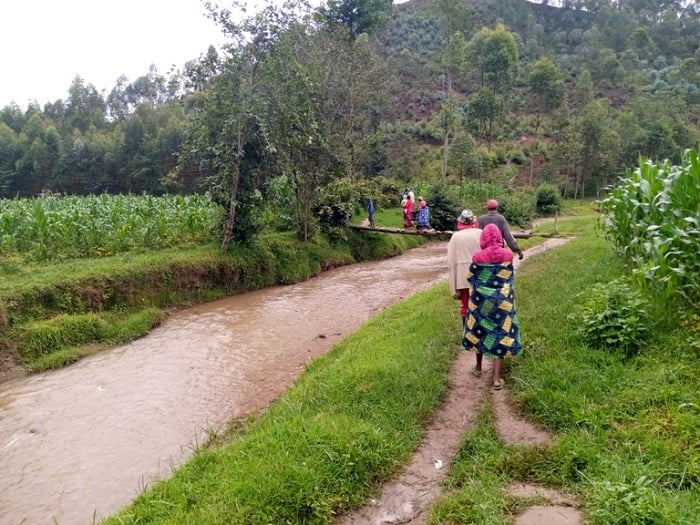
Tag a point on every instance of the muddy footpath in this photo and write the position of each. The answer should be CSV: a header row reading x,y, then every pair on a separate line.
x,y
407,499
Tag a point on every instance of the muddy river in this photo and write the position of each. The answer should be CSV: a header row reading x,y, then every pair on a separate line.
x,y
79,443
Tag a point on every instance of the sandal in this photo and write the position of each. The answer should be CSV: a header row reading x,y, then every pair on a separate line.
x,y
477,373
499,386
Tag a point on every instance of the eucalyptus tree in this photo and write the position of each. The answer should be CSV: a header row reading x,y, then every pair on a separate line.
x,y
448,120
38,147
458,20
302,124
355,76
356,92
600,145
227,139
9,153
547,93
484,111
85,107
494,55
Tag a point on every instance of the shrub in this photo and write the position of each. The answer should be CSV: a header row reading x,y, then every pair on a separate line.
x,y
548,200
518,208
612,315
444,208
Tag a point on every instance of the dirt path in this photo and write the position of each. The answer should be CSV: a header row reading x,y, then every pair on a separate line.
x,y
407,499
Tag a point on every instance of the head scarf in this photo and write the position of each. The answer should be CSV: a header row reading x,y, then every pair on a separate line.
x,y
492,250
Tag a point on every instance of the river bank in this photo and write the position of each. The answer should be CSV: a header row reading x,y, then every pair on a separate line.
x,y
55,314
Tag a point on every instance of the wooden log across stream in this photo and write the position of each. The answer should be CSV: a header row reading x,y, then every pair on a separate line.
x,y
439,234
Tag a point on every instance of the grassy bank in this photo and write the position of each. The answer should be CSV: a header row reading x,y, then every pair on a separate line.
x,y
626,429
53,314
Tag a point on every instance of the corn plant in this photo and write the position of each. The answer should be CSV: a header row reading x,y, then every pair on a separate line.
x,y
56,227
652,217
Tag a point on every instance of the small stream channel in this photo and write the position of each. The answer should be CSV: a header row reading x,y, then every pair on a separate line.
x,y
79,443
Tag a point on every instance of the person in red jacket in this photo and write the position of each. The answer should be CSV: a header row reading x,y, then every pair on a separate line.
x,y
492,328
407,211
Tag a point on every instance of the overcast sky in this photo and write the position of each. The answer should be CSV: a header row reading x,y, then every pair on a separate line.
x,y
45,44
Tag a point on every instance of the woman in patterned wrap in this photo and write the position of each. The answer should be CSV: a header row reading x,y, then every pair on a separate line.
x,y
492,326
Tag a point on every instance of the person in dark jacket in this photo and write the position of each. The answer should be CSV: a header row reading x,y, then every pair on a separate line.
x,y
493,217
370,212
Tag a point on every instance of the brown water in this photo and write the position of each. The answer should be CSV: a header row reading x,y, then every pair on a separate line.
x,y
81,442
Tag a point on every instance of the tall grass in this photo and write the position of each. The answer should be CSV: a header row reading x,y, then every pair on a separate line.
x,y
56,227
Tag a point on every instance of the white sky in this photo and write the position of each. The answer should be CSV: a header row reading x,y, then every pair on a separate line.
x,y
45,44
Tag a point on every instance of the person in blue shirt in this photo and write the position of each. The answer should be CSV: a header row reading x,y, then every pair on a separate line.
x,y
423,215
370,211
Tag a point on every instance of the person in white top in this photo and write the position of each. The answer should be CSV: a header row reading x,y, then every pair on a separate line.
x,y
463,243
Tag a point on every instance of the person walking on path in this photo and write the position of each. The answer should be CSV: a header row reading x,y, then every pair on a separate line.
x,y
407,212
423,216
460,249
493,217
370,212
492,328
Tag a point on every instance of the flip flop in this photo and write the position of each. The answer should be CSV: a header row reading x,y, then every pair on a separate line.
x,y
477,373
499,386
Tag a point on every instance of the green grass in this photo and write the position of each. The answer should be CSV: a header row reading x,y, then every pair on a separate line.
x,y
52,314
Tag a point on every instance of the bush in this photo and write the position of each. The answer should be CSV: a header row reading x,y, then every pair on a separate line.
x,y
518,208
612,315
548,199
444,208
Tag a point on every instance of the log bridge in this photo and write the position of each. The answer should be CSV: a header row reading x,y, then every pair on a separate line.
x,y
444,235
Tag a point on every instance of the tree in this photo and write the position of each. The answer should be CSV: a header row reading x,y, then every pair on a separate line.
x,y
85,107
458,20
356,16
448,121
484,111
600,146
300,116
546,94
546,90
495,55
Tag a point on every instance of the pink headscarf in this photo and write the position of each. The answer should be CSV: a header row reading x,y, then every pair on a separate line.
x,y
492,250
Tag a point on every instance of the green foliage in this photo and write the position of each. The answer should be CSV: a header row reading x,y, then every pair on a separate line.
x,y
652,218
613,315
444,207
518,207
548,200
634,503
56,342
340,201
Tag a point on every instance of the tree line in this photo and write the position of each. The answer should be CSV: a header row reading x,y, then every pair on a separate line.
x,y
441,91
